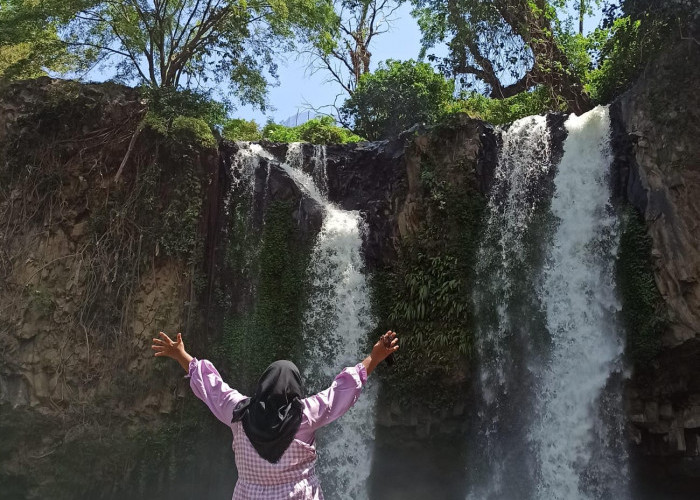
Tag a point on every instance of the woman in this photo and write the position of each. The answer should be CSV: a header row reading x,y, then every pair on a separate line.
x,y
274,431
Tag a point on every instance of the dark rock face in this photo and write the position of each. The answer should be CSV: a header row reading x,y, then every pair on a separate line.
x,y
272,183
656,126
372,178
382,179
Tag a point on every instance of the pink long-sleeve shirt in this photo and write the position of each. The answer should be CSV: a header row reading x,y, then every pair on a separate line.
x,y
293,477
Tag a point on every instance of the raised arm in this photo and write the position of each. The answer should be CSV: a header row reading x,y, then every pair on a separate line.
x,y
386,345
164,346
207,385
330,404
205,381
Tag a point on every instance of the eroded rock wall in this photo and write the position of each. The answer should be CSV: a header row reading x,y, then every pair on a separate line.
x,y
86,281
661,115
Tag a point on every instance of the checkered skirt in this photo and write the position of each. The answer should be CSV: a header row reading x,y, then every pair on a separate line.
x,y
293,477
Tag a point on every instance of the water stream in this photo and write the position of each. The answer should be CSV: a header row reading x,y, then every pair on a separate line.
x,y
579,297
549,344
336,324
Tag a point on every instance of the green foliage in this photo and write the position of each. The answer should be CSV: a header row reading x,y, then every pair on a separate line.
x,y
396,96
172,44
195,130
322,130
178,222
433,294
29,46
426,294
183,115
503,47
279,133
500,111
643,308
633,35
169,103
272,329
621,48
239,129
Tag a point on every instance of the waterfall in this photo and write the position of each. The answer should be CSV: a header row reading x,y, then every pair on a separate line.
x,y
549,423
337,321
503,277
578,295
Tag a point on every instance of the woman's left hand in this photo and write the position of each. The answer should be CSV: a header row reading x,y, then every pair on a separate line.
x,y
386,345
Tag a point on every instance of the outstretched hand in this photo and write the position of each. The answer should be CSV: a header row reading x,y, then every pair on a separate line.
x,y
165,346
386,345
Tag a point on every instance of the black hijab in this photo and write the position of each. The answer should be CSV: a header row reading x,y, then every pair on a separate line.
x,y
271,418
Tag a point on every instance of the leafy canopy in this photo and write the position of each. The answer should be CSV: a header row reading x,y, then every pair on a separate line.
x,y
29,42
395,97
173,43
634,33
503,47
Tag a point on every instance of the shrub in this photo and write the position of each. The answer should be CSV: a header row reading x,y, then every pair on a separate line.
x,y
499,111
397,96
193,129
239,129
321,130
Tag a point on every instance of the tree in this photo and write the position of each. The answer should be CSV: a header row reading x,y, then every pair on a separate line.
x,y
395,97
633,34
345,55
28,46
178,43
510,46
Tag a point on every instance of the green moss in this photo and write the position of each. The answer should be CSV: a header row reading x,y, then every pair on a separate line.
x,y
643,308
178,229
40,301
426,293
272,329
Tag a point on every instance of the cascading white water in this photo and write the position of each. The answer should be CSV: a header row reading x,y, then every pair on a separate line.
x,y
524,162
337,321
549,346
579,298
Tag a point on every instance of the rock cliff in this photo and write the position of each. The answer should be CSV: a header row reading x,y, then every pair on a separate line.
x,y
661,115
